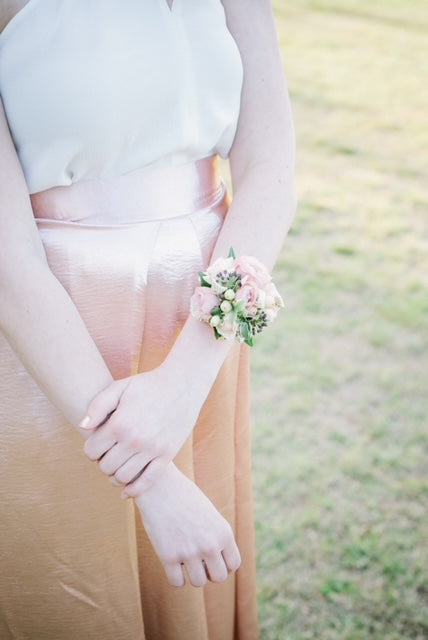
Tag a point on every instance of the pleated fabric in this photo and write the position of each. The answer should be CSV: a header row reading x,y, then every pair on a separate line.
x,y
75,559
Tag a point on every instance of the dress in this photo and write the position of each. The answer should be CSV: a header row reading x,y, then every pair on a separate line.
x,y
126,207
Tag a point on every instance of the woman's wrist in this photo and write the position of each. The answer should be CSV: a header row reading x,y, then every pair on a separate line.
x,y
196,358
160,490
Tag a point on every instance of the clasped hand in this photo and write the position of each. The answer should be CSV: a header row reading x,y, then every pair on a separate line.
x,y
138,427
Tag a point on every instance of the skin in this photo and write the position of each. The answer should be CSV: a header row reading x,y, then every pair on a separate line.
x,y
8,8
32,301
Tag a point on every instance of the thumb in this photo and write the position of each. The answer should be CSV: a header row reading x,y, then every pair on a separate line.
x,y
103,405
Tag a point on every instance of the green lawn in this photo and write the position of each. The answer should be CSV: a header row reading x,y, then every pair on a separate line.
x,y
340,398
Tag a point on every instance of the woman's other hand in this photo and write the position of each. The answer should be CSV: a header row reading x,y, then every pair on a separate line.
x,y
187,532
138,425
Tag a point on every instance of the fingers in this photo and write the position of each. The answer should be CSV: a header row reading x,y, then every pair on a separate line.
x,y
196,571
187,532
175,574
199,572
148,477
231,555
123,463
103,405
96,448
215,568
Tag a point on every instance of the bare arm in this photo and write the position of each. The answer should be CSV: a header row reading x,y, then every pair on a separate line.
x,y
262,165
35,310
263,153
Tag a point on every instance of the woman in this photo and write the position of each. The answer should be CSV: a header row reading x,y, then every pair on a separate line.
x,y
113,113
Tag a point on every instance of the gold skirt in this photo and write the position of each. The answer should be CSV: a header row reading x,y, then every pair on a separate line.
x,y
75,560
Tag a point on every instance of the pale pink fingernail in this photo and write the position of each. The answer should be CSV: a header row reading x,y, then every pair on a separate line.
x,y
85,422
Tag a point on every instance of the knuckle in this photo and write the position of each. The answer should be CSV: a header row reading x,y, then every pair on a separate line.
x,y
114,426
210,546
136,441
169,559
189,554
227,535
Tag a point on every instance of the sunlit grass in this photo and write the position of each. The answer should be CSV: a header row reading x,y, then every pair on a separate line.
x,y
339,380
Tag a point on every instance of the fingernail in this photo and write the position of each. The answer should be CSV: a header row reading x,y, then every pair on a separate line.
x,y
85,422
124,496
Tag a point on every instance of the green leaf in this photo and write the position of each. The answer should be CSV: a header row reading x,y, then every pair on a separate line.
x,y
232,315
204,283
239,307
244,329
231,253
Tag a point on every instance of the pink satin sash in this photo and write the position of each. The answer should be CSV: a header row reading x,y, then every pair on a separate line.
x,y
141,195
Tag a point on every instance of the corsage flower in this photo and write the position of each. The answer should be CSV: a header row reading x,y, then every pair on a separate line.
x,y
236,297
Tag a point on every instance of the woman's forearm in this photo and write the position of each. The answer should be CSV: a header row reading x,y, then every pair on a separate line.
x,y
37,316
254,226
47,333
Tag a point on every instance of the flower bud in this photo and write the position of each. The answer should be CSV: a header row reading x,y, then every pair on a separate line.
x,y
229,294
215,321
226,306
270,314
279,301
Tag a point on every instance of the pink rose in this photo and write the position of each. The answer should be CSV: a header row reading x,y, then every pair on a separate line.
x,y
202,302
255,271
227,329
248,293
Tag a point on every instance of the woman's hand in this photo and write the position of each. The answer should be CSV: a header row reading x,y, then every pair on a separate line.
x,y
138,426
187,531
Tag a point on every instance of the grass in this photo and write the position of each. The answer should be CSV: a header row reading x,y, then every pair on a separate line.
x,y
339,380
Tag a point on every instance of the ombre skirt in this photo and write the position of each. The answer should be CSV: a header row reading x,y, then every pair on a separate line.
x,y
75,559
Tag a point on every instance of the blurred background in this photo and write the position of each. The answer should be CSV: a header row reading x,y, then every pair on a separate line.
x,y
340,379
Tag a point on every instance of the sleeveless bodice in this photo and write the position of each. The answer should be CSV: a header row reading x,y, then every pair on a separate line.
x,y
99,88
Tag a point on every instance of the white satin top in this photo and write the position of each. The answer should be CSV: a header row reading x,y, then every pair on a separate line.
x,y
99,88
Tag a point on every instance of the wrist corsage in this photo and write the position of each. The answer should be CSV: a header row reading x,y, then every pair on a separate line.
x,y
236,297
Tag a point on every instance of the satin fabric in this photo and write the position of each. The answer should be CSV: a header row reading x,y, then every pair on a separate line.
x,y
75,560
